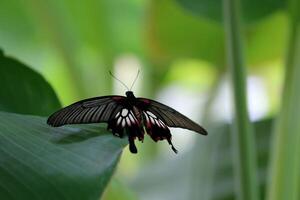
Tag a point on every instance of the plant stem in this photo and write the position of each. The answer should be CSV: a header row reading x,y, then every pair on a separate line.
x,y
243,136
285,161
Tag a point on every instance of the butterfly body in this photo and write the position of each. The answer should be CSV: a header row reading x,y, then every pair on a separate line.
x,y
126,115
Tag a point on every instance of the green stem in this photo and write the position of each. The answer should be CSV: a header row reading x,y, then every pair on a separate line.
x,y
285,161
243,137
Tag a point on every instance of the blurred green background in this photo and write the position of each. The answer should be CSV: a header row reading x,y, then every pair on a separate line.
x,y
179,46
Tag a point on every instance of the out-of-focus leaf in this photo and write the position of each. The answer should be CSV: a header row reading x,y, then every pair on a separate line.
x,y
252,9
24,90
40,162
205,172
260,37
17,32
175,34
172,34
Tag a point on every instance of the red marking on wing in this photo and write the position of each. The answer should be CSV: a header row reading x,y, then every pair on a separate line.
x,y
148,124
146,101
117,98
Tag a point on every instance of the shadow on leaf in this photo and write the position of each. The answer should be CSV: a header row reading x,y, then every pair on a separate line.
x,y
79,133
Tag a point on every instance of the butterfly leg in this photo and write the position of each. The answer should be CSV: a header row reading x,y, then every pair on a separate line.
x,y
132,146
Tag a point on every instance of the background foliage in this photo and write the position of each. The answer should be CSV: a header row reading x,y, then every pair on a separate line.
x,y
182,49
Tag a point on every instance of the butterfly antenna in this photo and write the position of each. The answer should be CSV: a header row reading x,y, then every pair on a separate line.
x,y
137,75
118,80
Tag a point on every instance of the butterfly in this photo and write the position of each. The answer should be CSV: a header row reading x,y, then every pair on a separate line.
x,y
126,115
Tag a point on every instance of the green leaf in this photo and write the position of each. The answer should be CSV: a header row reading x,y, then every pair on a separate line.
x,y
252,9
174,34
260,38
41,162
24,90
187,36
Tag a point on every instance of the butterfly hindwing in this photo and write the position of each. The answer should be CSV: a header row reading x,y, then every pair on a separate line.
x,y
126,122
156,128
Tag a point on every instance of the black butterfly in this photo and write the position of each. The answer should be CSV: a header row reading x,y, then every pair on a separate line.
x,y
134,116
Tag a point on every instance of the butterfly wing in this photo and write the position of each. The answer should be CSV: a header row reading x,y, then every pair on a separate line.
x,y
111,109
93,110
120,116
169,116
156,128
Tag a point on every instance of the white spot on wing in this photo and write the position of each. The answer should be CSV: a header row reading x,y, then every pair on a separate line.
x,y
161,122
147,118
152,120
119,120
133,115
157,122
131,118
128,121
123,123
117,115
124,112
151,114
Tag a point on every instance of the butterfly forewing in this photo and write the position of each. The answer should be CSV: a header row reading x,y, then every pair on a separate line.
x,y
169,116
94,110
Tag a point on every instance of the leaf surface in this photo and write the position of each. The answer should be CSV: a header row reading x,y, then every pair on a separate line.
x,y
23,90
41,162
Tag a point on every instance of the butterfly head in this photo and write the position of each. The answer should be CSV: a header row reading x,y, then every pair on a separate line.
x,y
129,94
